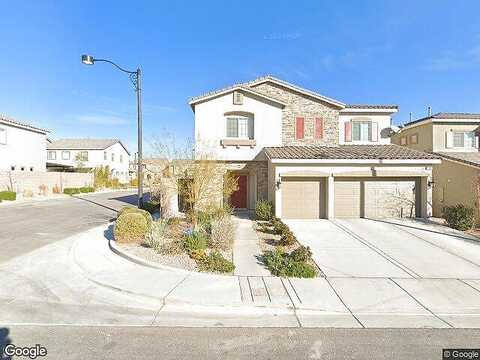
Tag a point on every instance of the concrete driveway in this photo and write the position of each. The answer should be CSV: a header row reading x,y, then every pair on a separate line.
x,y
28,226
389,248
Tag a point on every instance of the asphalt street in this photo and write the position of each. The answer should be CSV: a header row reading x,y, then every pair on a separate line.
x,y
27,226
77,342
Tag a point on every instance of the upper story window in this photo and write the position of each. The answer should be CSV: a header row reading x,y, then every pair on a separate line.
x,y
113,157
121,158
414,139
299,128
3,136
403,141
463,139
83,156
52,155
361,131
65,155
237,98
240,127
105,157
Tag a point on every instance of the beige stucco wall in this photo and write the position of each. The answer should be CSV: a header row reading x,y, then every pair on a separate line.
x,y
453,185
439,130
425,137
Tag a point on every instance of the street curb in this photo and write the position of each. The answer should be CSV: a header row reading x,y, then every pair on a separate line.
x,y
139,261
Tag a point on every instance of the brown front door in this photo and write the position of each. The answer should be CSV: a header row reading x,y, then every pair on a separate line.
x,y
239,197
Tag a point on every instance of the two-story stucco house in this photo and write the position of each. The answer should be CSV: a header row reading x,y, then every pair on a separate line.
x,y
310,155
22,146
453,137
90,153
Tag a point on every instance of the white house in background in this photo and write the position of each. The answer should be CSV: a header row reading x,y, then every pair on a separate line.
x,y
310,155
90,153
22,146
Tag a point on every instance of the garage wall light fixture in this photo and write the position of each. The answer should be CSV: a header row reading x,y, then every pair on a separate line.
x,y
136,79
278,183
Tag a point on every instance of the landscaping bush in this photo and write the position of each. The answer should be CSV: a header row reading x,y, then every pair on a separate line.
x,y
263,210
151,206
222,233
8,195
131,227
131,209
155,239
87,189
195,240
215,262
287,238
71,191
302,253
279,227
459,217
283,264
174,220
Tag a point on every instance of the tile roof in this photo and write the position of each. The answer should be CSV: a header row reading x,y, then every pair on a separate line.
x,y
8,120
83,144
470,158
371,106
446,115
260,80
349,152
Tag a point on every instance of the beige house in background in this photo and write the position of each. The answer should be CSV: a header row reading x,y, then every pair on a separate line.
x,y
454,137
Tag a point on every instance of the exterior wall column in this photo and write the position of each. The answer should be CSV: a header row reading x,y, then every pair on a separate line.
x,y
425,198
278,194
330,211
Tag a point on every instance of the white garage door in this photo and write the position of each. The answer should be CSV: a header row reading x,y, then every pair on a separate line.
x,y
302,198
364,197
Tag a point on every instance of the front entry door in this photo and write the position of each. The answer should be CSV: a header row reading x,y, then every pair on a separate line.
x,y
239,197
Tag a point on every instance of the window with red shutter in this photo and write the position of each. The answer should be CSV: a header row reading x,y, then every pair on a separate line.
x,y
318,128
300,128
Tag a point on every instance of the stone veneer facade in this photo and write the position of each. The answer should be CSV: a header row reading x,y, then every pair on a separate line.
x,y
305,106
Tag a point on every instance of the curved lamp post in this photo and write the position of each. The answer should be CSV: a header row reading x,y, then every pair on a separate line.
x,y
135,78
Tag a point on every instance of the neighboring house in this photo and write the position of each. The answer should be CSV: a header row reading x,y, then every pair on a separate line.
x,y
90,153
310,155
453,137
22,146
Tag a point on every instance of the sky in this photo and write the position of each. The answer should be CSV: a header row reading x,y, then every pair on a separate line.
x,y
410,53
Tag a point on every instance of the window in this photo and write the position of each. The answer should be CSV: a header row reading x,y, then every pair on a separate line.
x,y
237,98
31,168
121,158
83,156
362,131
52,155
403,140
299,128
464,139
3,136
105,157
240,127
113,157
65,155
414,139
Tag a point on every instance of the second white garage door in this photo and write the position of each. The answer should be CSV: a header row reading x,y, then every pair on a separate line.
x,y
375,198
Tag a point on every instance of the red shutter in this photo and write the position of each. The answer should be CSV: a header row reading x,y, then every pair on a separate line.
x,y
318,128
348,131
300,128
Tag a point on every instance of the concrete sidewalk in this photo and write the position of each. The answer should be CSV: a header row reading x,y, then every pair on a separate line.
x,y
81,281
246,249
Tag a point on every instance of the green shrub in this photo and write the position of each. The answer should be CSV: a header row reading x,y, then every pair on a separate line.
x,y
263,210
196,240
8,195
71,191
174,220
215,262
87,189
155,239
459,217
287,238
283,264
302,253
151,206
278,226
131,209
131,227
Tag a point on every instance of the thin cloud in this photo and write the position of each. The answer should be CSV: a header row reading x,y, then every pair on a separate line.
x,y
96,119
454,61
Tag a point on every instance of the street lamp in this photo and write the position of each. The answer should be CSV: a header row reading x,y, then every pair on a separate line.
x,y
135,78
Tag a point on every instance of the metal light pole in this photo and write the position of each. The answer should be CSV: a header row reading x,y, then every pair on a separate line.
x,y
136,79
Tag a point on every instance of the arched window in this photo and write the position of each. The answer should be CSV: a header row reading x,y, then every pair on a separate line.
x,y
239,125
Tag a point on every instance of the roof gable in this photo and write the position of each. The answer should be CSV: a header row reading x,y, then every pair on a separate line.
x,y
9,121
84,144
